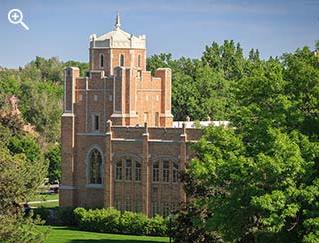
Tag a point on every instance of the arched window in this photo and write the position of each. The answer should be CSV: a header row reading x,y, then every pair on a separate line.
x,y
118,170
139,61
156,171
101,60
138,171
95,167
122,60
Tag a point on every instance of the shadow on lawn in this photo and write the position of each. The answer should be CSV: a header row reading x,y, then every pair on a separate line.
x,y
105,240
112,241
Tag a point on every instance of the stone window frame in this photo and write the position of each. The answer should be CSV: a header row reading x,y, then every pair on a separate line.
x,y
123,157
93,115
166,170
156,172
137,171
139,60
122,60
117,169
155,208
128,169
172,160
138,206
101,60
87,167
175,173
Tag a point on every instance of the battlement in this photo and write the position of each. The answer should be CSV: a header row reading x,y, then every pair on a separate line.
x,y
155,133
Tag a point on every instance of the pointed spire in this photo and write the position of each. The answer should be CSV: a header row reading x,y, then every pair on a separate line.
x,y
117,21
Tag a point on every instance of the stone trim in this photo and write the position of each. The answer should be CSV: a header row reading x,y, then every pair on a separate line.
x,y
67,187
95,186
127,140
90,134
163,141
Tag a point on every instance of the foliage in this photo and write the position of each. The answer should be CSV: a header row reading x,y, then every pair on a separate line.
x,y
20,176
38,87
203,88
110,220
56,216
53,157
259,181
189,225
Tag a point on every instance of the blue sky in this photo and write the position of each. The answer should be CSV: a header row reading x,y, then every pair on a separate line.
x,y
182,27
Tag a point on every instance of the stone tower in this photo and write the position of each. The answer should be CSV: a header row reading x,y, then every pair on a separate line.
x,y
119,148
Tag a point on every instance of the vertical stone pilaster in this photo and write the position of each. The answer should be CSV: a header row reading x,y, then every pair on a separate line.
x,y
183,160
67,189
146,179
67,163
108,168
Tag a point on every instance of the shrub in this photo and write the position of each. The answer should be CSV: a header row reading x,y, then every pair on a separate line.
x,y
110,220
157,226
133,223
98,220
106,220
65,216
41,212
56,216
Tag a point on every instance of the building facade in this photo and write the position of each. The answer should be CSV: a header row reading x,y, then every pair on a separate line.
x,y
119,146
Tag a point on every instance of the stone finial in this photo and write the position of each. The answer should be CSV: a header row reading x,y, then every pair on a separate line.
x,y
188,118
208,118
117,21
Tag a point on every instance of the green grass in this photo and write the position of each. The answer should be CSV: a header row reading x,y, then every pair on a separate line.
x,y
45,204
44,200
44,197
71,235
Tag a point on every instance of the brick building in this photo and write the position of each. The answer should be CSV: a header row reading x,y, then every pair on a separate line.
x,y
119,146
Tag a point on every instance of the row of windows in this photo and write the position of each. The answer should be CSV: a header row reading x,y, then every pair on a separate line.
x,y
121,60
164,208
169,171
129,166
128,169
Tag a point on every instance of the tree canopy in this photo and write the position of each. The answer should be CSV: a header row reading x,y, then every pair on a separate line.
x,y
258,180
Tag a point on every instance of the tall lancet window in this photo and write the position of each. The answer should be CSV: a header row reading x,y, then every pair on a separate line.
x,y
122,60
139,61
95,167
101,60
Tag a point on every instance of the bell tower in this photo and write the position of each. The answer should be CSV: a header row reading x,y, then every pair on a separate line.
x,y
117,49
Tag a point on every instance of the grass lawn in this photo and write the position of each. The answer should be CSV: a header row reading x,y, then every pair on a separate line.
x,y
44,197
45,204
43,200
71,235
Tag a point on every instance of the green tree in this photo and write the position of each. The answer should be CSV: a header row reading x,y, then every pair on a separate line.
x,y
259,181
53,158
19,179
263,197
